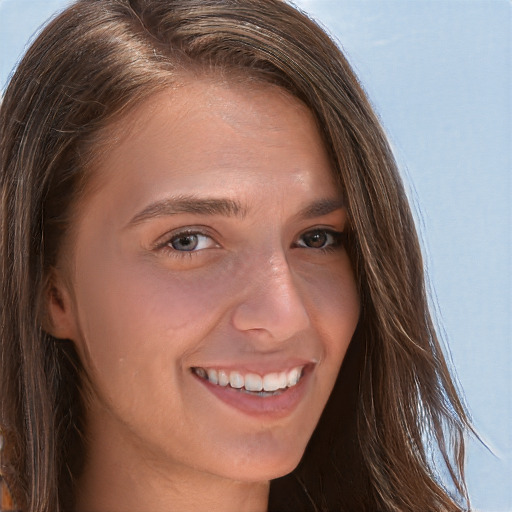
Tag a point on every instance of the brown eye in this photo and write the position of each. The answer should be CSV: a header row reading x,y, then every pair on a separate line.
x,y
320,239
315,239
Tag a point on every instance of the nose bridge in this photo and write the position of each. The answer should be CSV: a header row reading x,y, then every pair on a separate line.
x,y
270,304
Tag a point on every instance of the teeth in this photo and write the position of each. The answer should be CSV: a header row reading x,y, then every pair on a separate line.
x,y
251,381
293,377
223,378
201,373
212,376
271,382
236,380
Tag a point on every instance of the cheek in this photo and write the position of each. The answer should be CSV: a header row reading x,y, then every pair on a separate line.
x,y
334,305
132,311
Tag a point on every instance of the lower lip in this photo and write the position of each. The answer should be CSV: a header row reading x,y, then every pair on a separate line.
x,y
275,406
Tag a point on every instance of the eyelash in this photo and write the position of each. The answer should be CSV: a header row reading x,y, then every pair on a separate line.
x,y
337,241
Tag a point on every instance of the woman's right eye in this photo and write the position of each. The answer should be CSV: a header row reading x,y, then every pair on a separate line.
x,y
190,242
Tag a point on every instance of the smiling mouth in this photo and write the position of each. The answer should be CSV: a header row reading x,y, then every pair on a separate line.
x,y
270,384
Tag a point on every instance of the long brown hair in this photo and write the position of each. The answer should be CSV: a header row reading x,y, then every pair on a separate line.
x,y
394,411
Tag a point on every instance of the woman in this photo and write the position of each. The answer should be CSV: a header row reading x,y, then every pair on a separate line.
x,y
210,275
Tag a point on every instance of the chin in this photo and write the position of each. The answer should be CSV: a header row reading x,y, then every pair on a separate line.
x,y
264,467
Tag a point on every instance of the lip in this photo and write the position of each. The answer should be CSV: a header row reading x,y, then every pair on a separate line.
x,y
273,407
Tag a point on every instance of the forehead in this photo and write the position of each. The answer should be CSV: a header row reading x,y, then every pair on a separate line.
x,y
208,132
255,108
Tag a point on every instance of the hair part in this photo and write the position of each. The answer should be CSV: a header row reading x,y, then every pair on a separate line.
x,y
88,68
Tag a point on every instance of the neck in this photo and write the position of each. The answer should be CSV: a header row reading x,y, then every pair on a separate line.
x,y
120,493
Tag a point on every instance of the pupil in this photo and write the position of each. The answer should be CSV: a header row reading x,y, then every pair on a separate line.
x,y
185,243
316,239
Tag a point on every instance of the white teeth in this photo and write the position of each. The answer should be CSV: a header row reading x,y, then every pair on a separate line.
x,y
274,381
271,382
201,372
251,381
223,378
212,376
236,380
293,377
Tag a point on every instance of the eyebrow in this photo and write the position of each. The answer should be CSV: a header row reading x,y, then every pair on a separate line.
x,y
222,206
321,207
189,204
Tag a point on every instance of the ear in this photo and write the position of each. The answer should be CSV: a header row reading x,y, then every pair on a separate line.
x,y
60,314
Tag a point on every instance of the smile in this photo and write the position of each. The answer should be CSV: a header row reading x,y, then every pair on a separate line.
x,y
269,384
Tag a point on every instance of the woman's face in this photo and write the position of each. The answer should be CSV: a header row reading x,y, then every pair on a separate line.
x,y
211,297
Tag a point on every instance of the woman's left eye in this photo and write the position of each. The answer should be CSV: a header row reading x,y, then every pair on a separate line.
x,y
189,242
321,239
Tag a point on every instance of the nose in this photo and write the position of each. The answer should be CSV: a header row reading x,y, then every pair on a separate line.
x,y
271,307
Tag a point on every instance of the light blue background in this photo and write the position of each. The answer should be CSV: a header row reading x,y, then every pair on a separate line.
x,y
439,75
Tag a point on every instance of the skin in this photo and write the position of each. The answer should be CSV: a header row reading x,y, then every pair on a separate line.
x,y
253,294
